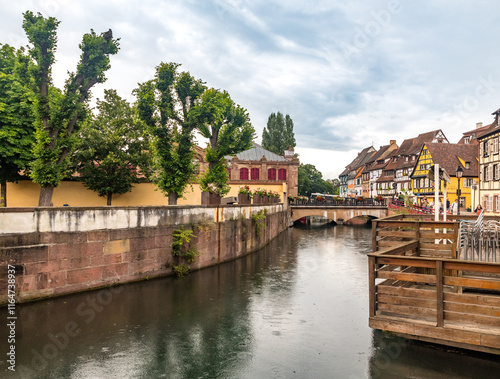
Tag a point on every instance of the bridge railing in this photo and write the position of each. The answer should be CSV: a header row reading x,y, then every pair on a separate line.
x,y
344,202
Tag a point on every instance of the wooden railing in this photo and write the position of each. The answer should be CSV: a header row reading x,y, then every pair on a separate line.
x,y
436,290
435,239
419,289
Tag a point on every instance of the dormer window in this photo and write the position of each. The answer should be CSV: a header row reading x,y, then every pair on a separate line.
x,y
467,165
466,140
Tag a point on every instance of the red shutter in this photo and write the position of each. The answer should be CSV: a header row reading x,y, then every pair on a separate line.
x,y
255,174
243,173
271,174
282,174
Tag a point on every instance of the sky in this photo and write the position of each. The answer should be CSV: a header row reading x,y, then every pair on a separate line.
x,y
350,74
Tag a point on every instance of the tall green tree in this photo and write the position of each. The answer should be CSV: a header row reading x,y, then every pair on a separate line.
x,y
227,127
60,114
311,181
278,135
112,153
166,104
17,130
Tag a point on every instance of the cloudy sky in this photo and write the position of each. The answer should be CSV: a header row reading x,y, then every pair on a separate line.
x,y
349,73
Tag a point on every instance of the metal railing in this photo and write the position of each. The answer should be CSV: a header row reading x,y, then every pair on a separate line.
x,y
347,202
479,240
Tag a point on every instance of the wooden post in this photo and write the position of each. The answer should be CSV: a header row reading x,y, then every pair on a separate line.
x,y
439,294
374,236
372,296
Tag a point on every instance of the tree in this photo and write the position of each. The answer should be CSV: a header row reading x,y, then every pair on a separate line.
x,y
311,181
112,152
17,131
165,104
229,131
278,136
59,114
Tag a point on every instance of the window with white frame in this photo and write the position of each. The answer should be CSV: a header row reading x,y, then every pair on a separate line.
x,y
490,172
485,173
495,172
489,203
468,182
495,145
486,145
497,203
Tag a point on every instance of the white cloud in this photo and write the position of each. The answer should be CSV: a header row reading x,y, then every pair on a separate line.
x,y
417,70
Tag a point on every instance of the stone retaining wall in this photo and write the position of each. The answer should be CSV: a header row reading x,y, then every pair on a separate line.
x,y
59,251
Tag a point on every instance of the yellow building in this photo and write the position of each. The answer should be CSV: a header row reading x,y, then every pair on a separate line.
x,y
449,157
255,168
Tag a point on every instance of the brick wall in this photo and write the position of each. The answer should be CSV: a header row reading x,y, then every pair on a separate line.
x,y
56,263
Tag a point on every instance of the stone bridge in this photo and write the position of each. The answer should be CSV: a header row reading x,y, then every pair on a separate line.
x,y
336,213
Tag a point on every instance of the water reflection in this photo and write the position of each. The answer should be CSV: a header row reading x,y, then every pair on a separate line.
x,y
298,308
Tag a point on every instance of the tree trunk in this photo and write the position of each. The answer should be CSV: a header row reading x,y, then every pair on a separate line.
x,y
110,195
3,194
45,199
172,198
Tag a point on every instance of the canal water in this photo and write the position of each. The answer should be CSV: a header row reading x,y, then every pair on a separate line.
x,y
296,309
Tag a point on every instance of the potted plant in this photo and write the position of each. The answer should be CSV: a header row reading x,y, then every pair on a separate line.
x,y
259,196
210,195
245,195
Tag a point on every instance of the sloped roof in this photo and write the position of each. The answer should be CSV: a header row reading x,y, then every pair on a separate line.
x,y
256,153
447,156
474,134
358,161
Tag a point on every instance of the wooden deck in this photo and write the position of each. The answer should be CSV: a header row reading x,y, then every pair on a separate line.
x,y
418,289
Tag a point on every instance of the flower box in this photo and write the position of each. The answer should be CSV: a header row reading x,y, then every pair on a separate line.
x,y
259,199
209,198
244,199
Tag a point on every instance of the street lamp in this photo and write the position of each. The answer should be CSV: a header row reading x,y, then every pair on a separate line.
x,y
459,173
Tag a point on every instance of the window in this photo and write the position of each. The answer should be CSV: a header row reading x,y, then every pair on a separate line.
x,y
495,145
486,148
271,174
490,172
282,174
254,173
497,203
466,140
489,203
495,172
468,182
485,173
243,173
467,165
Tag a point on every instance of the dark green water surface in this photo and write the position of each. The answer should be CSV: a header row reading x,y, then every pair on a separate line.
x,y
296,309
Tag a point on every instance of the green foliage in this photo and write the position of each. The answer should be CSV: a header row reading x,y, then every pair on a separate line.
x,y
17,130
278,135
60,114
181,242
227,127
181,270
260,222
311,181
165,104
112,150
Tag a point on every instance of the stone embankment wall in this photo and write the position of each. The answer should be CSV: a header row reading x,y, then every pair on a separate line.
x,y
59,251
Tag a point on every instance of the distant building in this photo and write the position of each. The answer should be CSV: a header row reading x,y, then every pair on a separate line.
x,y
449,157
489,164
260,167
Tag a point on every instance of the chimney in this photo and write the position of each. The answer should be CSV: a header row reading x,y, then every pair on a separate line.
x,y
479,125
392,141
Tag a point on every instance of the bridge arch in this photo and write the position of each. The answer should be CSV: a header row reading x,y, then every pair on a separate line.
x,y
336,213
